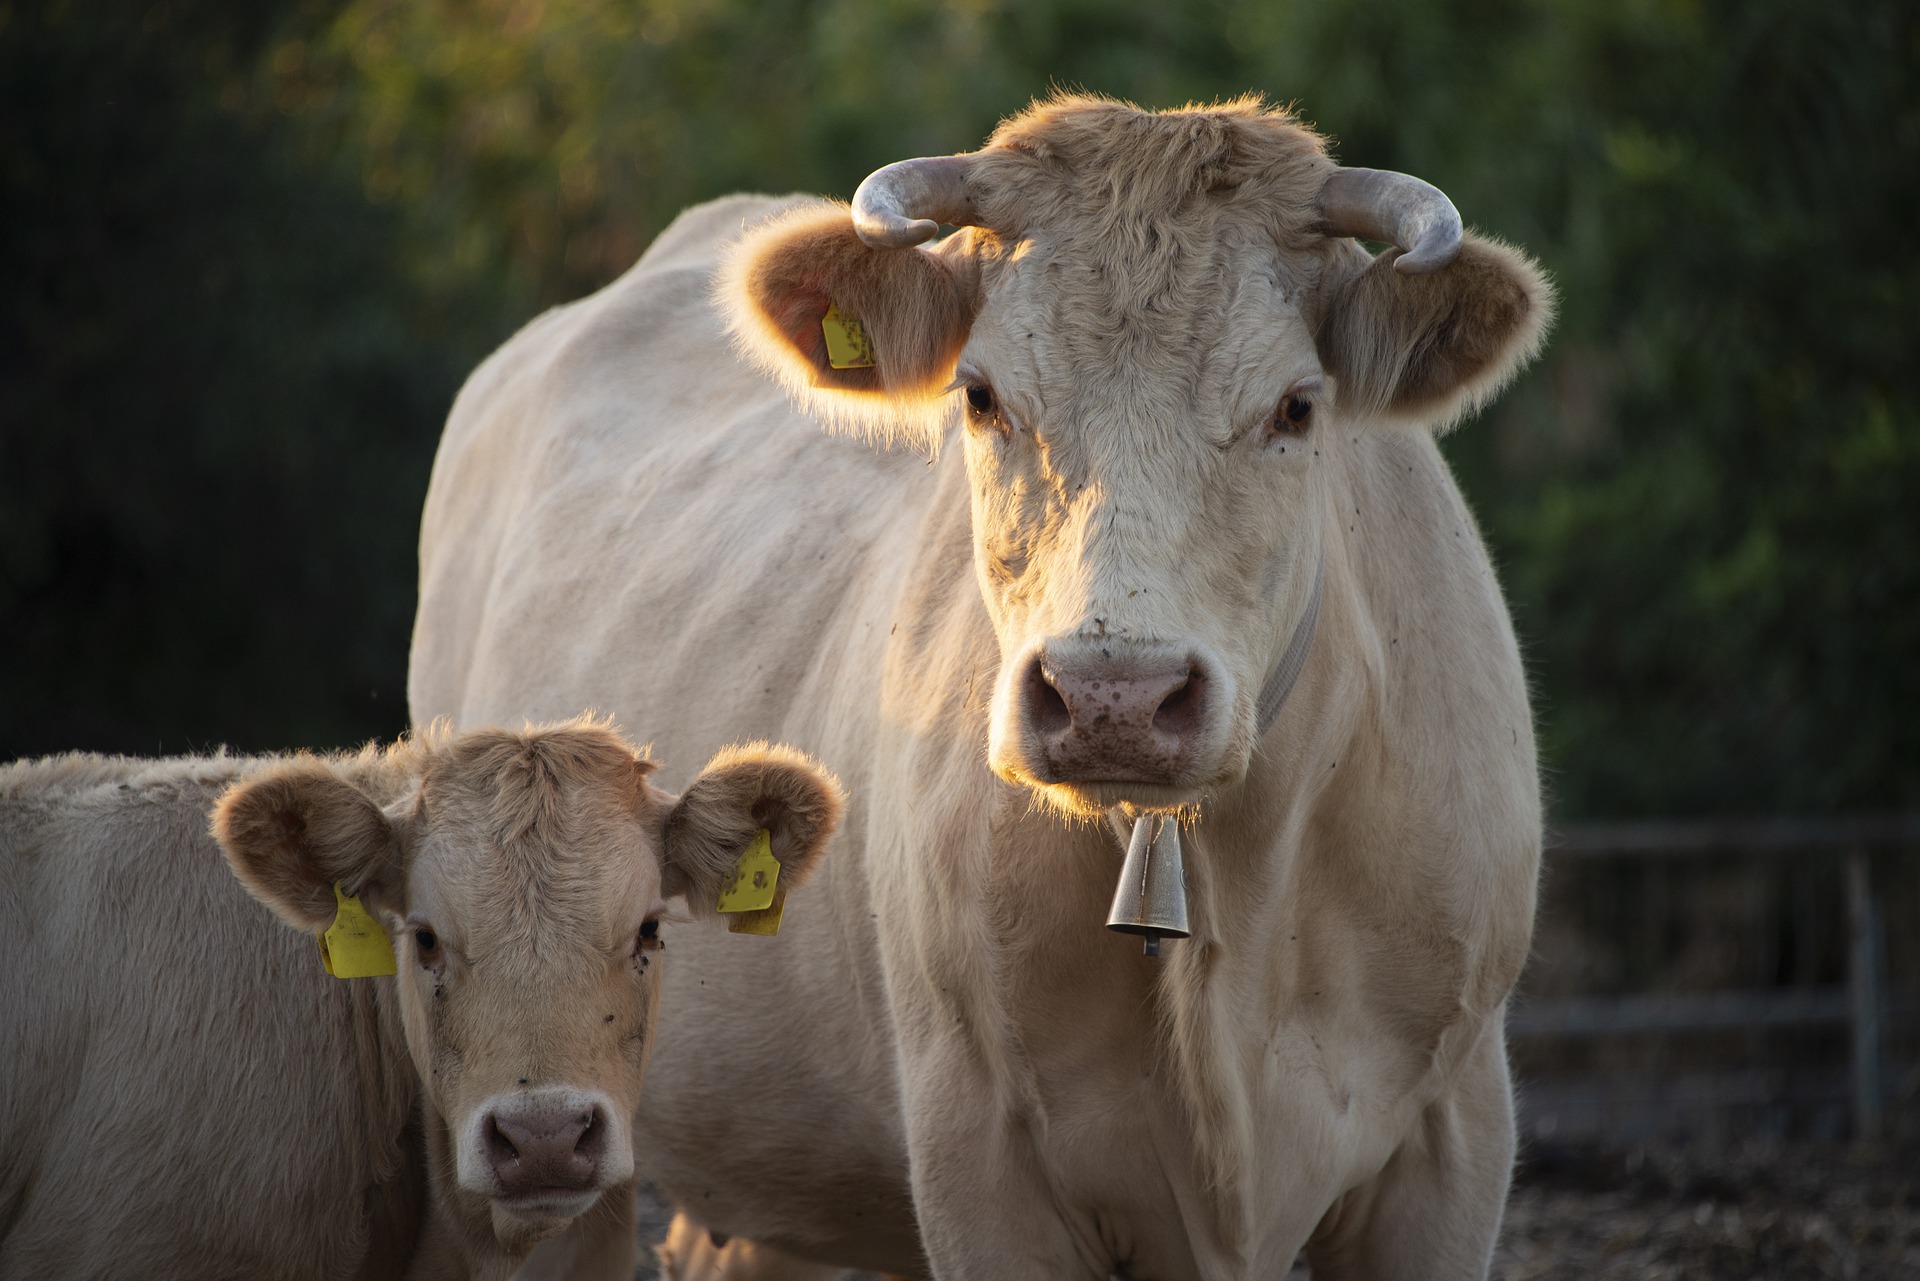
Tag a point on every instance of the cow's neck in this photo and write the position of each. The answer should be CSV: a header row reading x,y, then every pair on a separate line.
x,y
371,1047
1247,900
374,1052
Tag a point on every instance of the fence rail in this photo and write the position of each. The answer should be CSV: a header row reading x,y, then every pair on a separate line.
x,y
1854,833
1862,1003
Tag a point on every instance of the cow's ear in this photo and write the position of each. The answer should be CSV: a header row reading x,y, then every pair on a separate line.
x,y
742,790
1432,348
294,829
900,318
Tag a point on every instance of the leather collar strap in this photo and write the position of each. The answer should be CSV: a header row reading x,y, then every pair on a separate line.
x,y
1280,681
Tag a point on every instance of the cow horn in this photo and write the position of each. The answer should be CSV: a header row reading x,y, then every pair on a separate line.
x,y
1378,204
904,204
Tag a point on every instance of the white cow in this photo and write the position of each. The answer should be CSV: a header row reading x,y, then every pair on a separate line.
x,y
185,1093
1189,548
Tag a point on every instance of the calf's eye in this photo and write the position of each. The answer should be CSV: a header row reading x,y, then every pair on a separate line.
x,y
649,938
980,400
427,941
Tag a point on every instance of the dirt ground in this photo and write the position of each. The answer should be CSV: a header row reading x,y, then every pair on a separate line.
x,y
1763,1212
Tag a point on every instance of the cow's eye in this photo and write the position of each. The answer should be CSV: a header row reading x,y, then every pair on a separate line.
x,y
1294,415
981,405
649,939
428,944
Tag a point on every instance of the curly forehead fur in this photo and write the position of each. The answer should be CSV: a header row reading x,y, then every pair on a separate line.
x,y
1149,216
1142,183
554,803
517,785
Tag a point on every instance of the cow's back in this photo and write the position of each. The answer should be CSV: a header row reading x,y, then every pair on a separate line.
x,y
184,1092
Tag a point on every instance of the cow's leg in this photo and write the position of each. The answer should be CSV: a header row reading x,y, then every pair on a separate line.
x,y
979,1189
1434,1210
690,1253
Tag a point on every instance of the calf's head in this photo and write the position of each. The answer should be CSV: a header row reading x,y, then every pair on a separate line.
x,y
524,879
1154,329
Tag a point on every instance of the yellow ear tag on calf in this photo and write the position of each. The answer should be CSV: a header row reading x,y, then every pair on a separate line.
x,y
755,874
767,922
753,894
354,946
848,346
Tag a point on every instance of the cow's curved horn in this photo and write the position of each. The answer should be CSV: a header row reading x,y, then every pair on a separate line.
x,y
904,204
1379,204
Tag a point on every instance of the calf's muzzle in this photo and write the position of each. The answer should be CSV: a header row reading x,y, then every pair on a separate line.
x,y
546,1144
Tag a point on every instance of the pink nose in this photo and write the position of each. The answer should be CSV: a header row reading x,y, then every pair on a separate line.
x,y
546,1148
1106,720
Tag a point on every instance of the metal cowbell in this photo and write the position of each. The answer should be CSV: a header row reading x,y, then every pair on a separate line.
x,y
1151,899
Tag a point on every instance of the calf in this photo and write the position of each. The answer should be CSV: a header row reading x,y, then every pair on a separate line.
x,y
185,1092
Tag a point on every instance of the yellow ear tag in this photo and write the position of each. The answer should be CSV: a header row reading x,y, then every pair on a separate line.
x,y
767,922
848,346
354,946
755,874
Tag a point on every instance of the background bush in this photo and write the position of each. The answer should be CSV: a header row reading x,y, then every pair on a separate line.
x,y
250,249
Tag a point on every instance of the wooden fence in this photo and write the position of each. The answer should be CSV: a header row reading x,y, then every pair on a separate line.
x,y
1863,1003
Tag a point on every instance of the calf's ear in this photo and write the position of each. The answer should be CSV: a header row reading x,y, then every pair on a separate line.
x,y
744,789
1433,348
912,306
292,830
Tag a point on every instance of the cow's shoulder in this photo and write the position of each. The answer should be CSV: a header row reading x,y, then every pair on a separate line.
x,y
653,323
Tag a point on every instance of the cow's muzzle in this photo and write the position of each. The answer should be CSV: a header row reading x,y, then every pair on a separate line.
x,y
1100,712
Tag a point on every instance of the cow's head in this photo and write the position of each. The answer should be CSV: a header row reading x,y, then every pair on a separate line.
x,y
1154,329
523,878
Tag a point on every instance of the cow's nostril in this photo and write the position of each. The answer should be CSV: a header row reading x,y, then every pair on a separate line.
x,y
1047,711
500,1149
1180,712
593,1132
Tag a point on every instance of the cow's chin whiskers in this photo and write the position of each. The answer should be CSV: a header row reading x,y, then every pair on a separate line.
x,y
520,1224
1093,800
1090,800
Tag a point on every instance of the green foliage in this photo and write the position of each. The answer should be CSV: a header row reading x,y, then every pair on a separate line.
x,y
217,410
1698,498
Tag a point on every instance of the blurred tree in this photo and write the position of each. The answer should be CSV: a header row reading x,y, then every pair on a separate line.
x,y
217,406
1698,498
